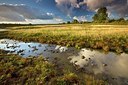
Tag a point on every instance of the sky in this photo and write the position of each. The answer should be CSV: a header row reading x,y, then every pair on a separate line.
x,y
58,11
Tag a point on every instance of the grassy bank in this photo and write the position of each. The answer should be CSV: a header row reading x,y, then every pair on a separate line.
x,y
15,70
106,37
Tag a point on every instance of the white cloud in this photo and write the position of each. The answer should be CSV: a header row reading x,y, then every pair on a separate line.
x,y
59,20
50,14
39,21
37,1
80,18
115,6
12,4
67,6
35,21
13,13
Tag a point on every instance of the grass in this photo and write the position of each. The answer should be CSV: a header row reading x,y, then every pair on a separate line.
x,y
105,37
38,70
15,70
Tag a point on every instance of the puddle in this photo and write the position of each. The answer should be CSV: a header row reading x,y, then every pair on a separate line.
x,y
110,67
32,49
3,30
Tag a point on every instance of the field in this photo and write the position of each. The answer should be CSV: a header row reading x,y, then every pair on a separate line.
x,y
105,37
38,70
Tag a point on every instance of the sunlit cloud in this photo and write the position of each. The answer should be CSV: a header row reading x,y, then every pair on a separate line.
x,y
37,1
120,7
80,18
67,6
20,13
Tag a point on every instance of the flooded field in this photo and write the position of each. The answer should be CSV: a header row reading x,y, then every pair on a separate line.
x,y
109,66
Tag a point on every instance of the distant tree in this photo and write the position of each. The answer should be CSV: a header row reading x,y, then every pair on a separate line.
x,y
112,20
30,23
101,15
82,22
68,22
75,21
121,20
63,23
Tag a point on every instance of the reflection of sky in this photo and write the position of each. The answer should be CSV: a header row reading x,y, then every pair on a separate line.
x,y
2,29
100,63
96,62
30,49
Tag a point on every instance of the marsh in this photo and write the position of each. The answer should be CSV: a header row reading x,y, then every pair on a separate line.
x,y
109,66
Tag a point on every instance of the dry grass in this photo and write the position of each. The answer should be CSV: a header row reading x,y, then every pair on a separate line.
x,y
106,37
78,30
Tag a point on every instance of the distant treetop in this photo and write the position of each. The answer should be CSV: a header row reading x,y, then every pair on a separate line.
x,y
101,15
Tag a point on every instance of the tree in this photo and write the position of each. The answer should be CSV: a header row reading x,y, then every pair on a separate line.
x,y
121,20
101,15
112,20
68,22
75,21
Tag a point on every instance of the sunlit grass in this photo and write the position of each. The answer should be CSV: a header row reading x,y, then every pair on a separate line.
x,y
106,37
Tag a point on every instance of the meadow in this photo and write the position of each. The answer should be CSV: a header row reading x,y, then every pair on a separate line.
x,y
104,37
38,70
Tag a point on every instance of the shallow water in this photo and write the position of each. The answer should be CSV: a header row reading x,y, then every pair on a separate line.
x,y
3,30
111,67
31,49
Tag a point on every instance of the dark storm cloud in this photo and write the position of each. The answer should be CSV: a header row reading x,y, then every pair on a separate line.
x,y
20,13
117,6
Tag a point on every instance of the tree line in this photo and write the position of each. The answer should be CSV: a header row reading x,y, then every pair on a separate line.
x,y
101,16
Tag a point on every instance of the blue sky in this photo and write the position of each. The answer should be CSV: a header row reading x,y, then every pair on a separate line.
x,y
57,11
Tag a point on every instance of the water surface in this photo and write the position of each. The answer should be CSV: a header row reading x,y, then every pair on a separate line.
x,y
110,66
3,30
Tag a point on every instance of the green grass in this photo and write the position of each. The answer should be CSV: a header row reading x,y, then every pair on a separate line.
x,y
15,70
105,37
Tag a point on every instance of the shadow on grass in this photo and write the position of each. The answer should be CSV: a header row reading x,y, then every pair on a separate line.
x,y
3,34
